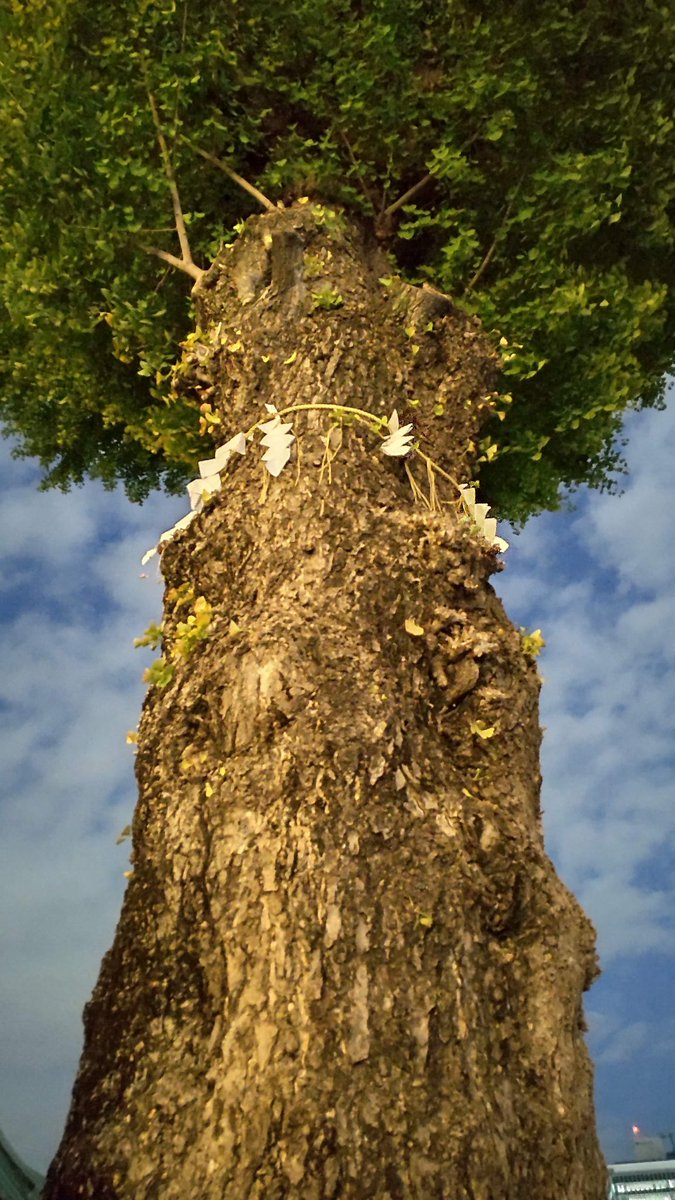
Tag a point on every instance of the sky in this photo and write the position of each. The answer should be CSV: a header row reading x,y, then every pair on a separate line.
x,y
600,583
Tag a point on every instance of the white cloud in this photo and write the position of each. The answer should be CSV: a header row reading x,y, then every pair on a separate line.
x,y
609,693
631,920
602,587
25,531
70,688
628,1041
633,533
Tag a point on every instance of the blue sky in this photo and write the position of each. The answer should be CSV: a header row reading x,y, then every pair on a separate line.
x,y
599,581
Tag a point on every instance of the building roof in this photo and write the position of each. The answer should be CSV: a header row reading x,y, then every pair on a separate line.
x,y
17,1181
642,1180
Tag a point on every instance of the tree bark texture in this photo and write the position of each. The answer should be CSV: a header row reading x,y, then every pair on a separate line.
x,y
345,966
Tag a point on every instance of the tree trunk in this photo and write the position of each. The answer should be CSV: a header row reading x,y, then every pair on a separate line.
x,y
345,966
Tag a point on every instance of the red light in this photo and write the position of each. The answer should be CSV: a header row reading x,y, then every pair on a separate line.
x,y
636,1129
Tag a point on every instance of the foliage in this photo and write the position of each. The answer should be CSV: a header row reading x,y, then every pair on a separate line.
x,y
151,637
160,673
532,643
542,141
327,298
194,628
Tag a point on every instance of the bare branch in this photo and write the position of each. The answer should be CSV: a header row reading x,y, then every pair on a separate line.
x,y
188,268
364,188
173,188
478,275
417,187
242,183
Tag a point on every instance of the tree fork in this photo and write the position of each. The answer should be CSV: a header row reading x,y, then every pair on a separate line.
x,y
345,966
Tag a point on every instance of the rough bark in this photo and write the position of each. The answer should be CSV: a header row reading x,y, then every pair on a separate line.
x,y
345,966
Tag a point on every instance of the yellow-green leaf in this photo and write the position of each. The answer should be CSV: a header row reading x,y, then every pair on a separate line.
x,y
413,628
481,730
532,643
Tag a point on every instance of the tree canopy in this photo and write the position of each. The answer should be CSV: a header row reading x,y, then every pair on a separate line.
x,y
533,148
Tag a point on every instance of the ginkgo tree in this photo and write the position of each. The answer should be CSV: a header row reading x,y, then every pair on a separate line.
x,y
356,275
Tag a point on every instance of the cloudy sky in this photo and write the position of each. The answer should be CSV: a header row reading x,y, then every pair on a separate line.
x,y
599,581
